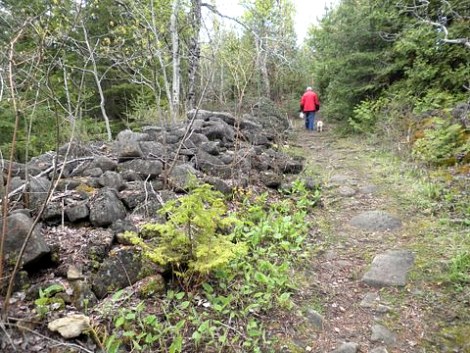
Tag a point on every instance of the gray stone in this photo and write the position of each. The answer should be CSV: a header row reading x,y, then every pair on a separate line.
x,y
368,189
340,179
104,163
139,198
122,226
347,347
212,165
151,286
389,269
105,208
18,227
315,319
370,300
15,183
219,185
145,168
128,149
181,175
376,221
346,191
271,179
68,184
38,190
379,350
77,211
211,147
71,326
92,172
217,129
112,180
74,273
120,270
153,149
129,135
292,166
83,297
53,212
382,334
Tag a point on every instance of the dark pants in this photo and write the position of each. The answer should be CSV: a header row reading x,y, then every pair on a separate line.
x,y
309,120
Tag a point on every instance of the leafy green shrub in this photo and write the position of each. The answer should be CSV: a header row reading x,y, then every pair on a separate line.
x,y
435,99
366,114
441,143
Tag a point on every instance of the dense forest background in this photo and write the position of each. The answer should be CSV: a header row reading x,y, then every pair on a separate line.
x,y
87,69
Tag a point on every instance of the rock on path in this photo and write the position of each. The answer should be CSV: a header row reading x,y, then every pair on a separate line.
x,y
376,221
389,269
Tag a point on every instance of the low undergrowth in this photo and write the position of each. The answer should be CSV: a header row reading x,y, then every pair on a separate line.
x,y
223,307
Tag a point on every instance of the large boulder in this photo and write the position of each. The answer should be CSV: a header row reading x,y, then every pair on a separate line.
x,y
181,175
145,168
18,227
112,180
120,270
104,163
77,211
218,130
37,192
105,208
212,165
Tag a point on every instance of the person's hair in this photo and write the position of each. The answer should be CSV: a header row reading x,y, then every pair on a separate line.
x,y
309,88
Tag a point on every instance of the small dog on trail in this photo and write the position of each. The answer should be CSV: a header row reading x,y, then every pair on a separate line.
x,y
319,126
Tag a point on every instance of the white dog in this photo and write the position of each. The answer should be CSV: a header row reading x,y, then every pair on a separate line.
x,y
319,126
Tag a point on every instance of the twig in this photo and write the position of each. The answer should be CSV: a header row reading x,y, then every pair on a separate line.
x,y
2,326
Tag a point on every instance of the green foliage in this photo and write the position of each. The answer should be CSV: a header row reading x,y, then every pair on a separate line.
x,y
459,271
190,241
366,114
366,50
47,302
441,143
435,99
225,313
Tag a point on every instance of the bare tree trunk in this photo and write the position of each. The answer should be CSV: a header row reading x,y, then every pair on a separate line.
x,y
194,52
153,28
12,151
261,64
97,79
175,99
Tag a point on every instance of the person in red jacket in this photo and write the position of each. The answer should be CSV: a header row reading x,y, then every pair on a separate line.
x,y
309,104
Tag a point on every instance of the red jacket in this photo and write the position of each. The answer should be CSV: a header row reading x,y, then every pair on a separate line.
x,y
309,101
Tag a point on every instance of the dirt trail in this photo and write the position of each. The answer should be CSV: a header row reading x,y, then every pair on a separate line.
x,y
355,317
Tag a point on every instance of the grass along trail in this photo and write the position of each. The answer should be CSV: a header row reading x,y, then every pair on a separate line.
x,y
382,275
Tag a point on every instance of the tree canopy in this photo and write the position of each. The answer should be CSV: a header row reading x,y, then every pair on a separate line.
x,y
90,68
